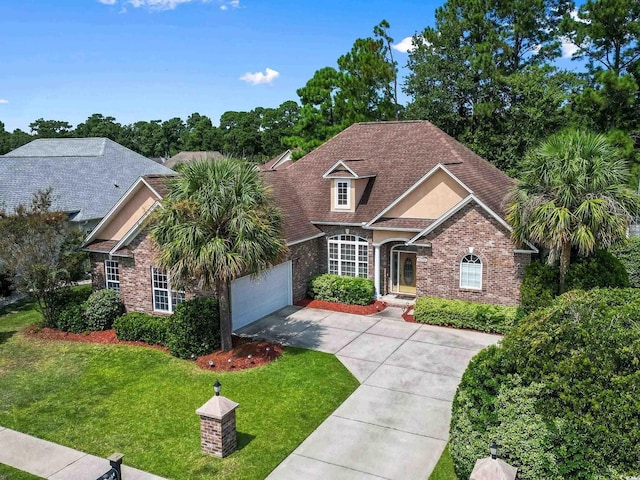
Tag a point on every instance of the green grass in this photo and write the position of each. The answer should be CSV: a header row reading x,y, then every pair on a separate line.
x,y
105,398
8,473
444,468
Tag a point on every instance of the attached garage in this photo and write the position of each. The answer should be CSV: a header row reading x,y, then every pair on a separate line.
x,y
253,298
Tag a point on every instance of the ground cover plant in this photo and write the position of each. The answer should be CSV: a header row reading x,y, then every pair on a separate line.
x,y
141,402
559,392
444,468
461,314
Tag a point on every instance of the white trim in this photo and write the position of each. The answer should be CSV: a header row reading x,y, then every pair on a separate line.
x,y
335,165
336,194
392,229
296,242
393,239
357,243
524,251
338,224
439,166
376,270
115,267
283,158
170,291
396,281
133,231
480,262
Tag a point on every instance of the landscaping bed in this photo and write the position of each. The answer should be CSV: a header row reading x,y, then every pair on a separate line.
x,y
370,309
245,353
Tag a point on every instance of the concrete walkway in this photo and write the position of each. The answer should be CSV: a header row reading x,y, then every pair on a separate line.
x,y
396,424
50,460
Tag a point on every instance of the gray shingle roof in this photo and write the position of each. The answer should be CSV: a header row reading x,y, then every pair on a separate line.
x,y
87,175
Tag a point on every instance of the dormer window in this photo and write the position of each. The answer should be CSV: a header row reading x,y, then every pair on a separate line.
x,y
343,194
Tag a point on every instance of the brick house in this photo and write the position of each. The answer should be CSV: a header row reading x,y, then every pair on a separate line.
x,y
401,203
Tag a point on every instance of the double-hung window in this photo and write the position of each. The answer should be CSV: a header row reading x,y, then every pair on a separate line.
x,y
112,275
343,194
348,256
471,272
165,299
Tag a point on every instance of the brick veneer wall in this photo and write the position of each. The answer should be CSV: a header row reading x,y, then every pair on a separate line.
x,y
438,267
218,437
306,262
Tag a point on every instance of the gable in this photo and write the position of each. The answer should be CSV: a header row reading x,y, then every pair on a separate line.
x,y
431,199
128,215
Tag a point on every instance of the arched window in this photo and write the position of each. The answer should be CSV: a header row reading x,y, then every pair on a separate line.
x,y
348,256
471,272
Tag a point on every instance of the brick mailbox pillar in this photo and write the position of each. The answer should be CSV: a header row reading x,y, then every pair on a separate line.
x,y
493,469
218,426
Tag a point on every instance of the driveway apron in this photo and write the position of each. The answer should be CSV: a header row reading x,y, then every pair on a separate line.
x,y
396,424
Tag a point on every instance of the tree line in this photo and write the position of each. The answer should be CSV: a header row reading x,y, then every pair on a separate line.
x,y
486,73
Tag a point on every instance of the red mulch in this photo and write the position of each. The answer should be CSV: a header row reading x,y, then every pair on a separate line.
x,y
261,352
374,307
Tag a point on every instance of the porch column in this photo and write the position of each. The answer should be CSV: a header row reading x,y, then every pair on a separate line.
x,y
376,269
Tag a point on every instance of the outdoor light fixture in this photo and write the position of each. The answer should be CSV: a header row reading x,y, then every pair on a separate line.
x,y
249,356
210,363
493,449
470,249
216,387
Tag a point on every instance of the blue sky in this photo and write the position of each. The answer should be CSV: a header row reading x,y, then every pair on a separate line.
x,y
157,59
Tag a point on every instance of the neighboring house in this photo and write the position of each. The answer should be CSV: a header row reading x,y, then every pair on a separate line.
x,y
86,176
281,161
186,157
401,203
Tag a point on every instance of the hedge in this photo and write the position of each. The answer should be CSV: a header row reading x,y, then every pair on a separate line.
x,y
348,290
629,255
559,392
68,303
142,327
101,309
194,328
461,314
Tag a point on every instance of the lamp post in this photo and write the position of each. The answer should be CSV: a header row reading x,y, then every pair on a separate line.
x,y
493,449
217,387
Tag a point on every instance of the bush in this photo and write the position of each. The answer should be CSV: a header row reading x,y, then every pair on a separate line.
x,y
102,308
461,314
349,290
72,319
629,254
559,392
6,285
194,328
68,298
142,327
600,270
539,286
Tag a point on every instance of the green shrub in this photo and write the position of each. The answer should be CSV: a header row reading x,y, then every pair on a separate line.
x,y
629,254
461,314
600,270
142,327
349,290
539,286
72,319
102,308
66,298
6,285
560,391
194,328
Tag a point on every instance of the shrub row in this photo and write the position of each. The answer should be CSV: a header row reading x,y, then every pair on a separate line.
x,y
349,290
193,329
558,392
461,314
629,255
78,310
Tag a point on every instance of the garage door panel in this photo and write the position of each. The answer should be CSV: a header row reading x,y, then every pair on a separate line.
x,y
253,298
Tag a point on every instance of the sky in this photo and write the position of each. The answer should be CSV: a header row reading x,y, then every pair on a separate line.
x,y
158,59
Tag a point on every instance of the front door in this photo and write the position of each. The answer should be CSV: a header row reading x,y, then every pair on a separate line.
x,y
403,269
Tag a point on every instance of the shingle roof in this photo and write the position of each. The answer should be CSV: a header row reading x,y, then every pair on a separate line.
x,y
399,154
87,175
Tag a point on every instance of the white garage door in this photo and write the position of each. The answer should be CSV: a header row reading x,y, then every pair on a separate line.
x,y
253,298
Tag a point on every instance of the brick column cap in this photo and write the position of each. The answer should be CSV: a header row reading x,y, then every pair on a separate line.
x,y
493,469
217,407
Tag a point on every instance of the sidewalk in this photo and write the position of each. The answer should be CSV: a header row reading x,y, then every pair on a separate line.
x,y
50,460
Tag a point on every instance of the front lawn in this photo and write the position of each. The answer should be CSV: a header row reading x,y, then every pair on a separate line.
x,y
141,402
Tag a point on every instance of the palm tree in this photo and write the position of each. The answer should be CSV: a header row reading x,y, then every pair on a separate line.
x,y
572,194
218,223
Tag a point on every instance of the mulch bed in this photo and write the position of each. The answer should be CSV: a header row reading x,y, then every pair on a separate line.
x,y
245,353
372,308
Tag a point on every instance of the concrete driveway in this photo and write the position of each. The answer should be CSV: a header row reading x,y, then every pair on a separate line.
x,y
396,424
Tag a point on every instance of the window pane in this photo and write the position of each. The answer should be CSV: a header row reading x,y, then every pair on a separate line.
x,y
161,300
471,272
176,298
348,252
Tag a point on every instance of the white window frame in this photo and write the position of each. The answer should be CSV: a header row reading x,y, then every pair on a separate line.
x,y
360,266
112,275
174,297
336,201
464,277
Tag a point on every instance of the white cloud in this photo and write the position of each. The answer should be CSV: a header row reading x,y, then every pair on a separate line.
x,y
260,78
2,100
230,4
568,48
406,45
166,4
574,15
108,2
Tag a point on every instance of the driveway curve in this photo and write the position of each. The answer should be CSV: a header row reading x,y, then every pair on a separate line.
x,y
396,424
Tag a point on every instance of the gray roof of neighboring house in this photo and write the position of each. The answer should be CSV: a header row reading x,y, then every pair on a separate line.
x,y
87,175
